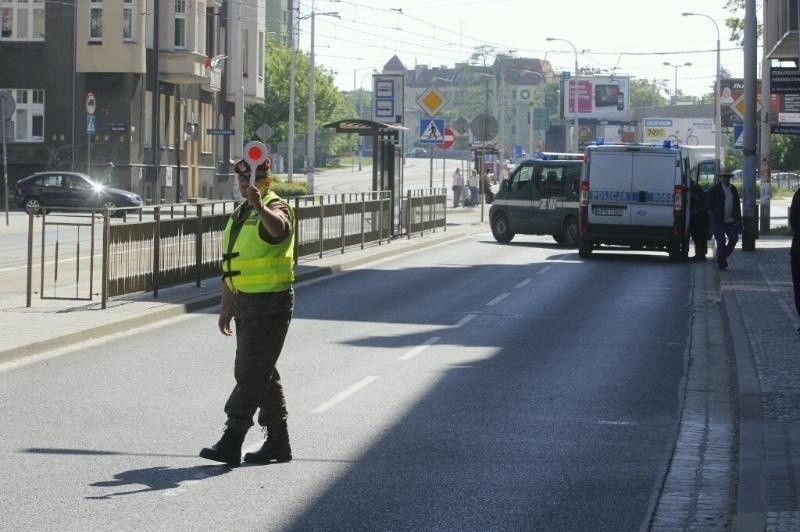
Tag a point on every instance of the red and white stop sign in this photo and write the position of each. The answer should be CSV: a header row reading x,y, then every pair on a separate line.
x,y
449,139
255,153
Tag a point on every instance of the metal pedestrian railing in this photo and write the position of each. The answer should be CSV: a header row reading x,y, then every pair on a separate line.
x,y
145,249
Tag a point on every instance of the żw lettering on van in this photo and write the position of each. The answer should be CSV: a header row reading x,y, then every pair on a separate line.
x,y
548,203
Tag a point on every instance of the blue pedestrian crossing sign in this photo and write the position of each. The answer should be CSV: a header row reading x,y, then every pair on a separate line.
x,y
431,131
90,125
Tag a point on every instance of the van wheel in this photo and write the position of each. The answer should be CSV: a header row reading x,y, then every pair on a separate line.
x,y
570,233
500,229
585,248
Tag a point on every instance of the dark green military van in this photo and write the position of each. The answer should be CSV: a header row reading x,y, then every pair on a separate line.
x,y
539,198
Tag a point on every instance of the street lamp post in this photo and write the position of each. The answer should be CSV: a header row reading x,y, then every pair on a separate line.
x,y
360,107
312,110
717,91
676,67
575,145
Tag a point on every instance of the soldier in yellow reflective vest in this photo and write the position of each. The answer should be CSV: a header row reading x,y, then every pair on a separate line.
x,y
257,266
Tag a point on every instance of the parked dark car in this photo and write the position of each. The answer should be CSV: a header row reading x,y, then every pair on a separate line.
x,y
418,152
51,190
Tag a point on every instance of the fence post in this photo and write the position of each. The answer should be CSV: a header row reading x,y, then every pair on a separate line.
x,y
296,228
408,215
106,245
321,226
29,276
344,204
363,210
156,247
198,245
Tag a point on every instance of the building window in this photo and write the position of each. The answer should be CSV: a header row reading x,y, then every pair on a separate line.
x,y
96,21
28,120
22,20
128,7
180,24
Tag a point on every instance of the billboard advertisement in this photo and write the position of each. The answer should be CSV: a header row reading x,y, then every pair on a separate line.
x,y
732,104
600,97
684,131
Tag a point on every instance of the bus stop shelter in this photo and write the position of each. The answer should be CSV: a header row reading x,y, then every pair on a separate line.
x,y
385,139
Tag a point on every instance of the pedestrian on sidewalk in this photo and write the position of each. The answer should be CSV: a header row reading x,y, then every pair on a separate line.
x,y
794,223
458,187
257,266
722,202
698,220
473,182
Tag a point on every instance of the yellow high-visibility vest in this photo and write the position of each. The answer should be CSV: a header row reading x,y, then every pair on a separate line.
x,y
251,265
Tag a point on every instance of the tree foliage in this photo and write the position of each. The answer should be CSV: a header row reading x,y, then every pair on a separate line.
x,y
330,103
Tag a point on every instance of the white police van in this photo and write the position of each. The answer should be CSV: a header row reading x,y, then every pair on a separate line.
x,y
634,195
540,197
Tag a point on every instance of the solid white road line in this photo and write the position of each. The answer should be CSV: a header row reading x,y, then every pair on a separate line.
x,y
417,350
344,394
498,299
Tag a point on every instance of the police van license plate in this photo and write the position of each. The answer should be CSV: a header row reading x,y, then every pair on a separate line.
x,y
607,211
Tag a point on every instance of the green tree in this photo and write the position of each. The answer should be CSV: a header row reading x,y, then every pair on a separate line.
x,y
646,93
330,104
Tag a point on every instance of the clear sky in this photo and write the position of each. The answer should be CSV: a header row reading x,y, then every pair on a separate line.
x,y
632,37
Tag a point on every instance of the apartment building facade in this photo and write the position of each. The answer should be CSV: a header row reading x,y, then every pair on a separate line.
x,y
167,74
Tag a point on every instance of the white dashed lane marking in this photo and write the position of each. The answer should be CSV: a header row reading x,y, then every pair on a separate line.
x,y
420,348
498,299
344,394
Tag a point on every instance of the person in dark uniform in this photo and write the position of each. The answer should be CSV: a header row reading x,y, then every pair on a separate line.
x,y
794,223
698,220
722,201
258,272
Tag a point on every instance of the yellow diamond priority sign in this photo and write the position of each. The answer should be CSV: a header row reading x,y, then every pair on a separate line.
x,y
431,101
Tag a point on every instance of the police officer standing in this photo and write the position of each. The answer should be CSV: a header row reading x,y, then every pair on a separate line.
x,y
257,266
698,220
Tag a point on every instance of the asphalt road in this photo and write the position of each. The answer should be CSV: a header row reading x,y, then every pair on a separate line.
x,y
471,386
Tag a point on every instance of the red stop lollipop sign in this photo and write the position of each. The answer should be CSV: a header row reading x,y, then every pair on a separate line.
x,y
255,153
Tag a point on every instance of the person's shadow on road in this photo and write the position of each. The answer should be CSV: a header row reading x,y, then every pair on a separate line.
x,y
158,478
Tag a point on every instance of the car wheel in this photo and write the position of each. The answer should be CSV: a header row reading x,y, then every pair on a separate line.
x,y
559,238
585,248
33,205
570,233
500,229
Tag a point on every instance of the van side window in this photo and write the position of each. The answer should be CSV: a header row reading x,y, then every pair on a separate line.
x,y
552,182
522,178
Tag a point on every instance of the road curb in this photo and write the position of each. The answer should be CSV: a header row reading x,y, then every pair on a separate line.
x,y
751,506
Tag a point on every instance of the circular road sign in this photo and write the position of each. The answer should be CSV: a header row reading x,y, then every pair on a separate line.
x,y
91,103
255,153
484,127
7,104
449,139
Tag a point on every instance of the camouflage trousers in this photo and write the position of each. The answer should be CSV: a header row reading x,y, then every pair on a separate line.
x,y
262,321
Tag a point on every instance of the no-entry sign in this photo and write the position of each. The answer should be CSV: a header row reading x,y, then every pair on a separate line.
x,y
449,139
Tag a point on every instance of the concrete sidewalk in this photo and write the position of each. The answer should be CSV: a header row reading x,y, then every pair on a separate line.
x,y
758,299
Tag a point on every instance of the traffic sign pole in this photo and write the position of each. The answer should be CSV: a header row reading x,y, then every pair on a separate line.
x,y
91,104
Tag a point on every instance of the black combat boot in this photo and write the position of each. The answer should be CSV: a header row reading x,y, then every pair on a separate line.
x,y
275,449
228,449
